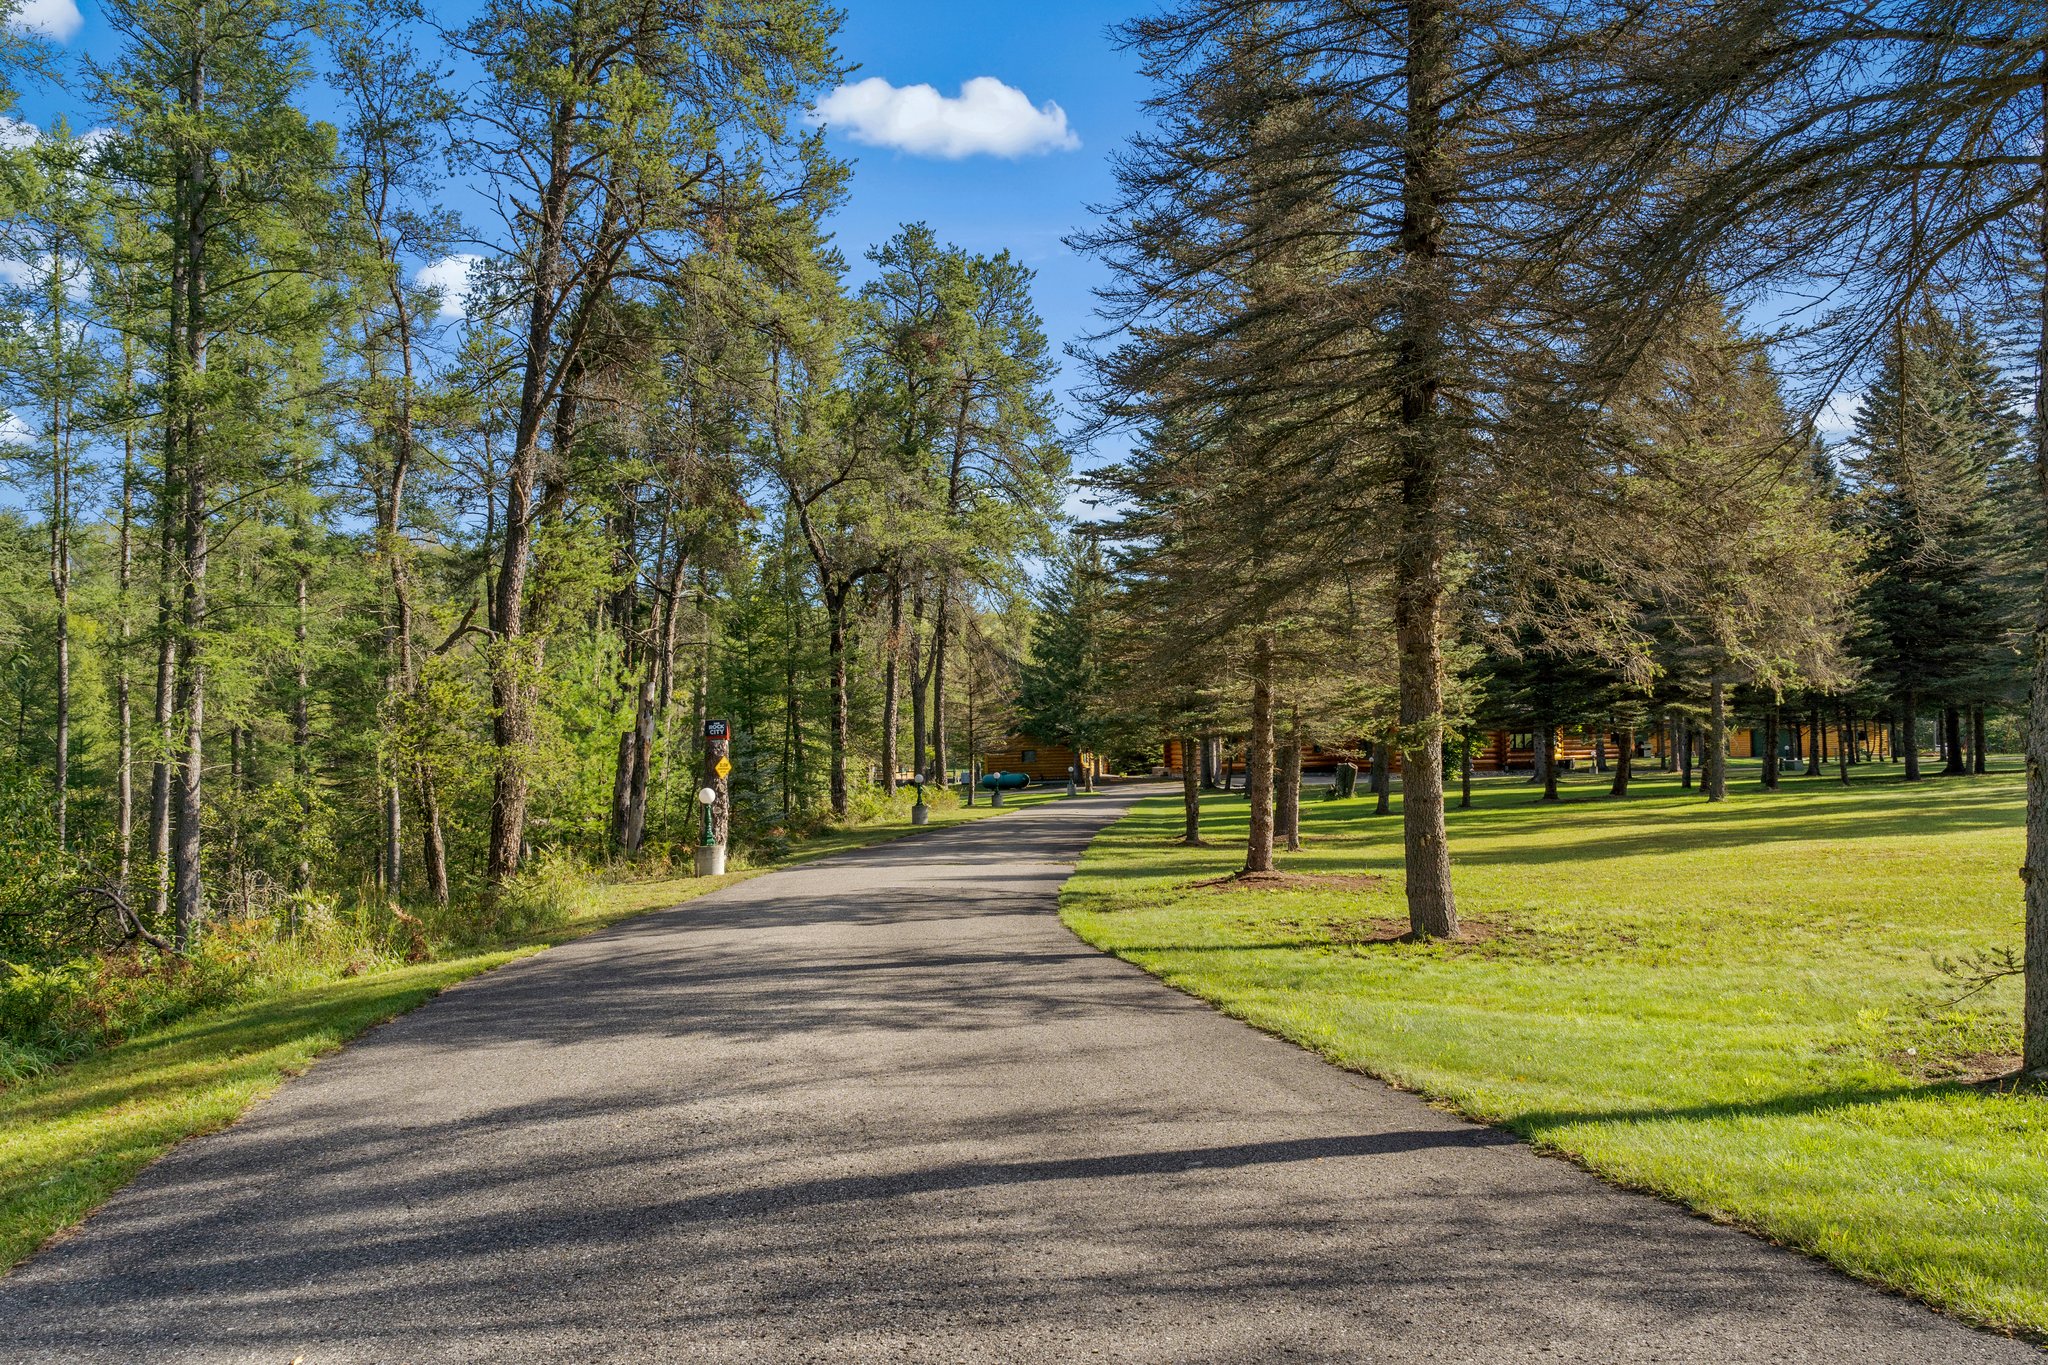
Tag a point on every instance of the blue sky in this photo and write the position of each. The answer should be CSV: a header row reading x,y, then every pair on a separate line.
x,y
1025,194
1054,50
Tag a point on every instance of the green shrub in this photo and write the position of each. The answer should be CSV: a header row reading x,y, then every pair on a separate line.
x,y
547,894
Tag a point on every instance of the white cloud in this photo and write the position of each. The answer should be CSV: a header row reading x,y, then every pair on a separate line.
x,y
449,277
57,19
1836,420
14,431
987,116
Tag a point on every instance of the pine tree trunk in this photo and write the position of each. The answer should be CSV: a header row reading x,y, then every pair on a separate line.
x,y
515,659
1844,749
124,685
891,684
940,608
1546,759
1258,852
1952,742
835,615
1600,751
1770,754
302,727
1382,777
60,587
2034,872
1715,778
1624,761
918,684
1190,789
1685,753
1465,773
1420,532
1288,818
1909,731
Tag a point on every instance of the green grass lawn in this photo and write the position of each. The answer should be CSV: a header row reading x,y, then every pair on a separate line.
x,y
1736,1006
72,1137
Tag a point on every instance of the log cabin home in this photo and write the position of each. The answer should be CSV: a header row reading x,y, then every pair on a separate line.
x,y
1042,761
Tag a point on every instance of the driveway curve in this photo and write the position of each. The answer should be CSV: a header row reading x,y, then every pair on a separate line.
x,y
884,1107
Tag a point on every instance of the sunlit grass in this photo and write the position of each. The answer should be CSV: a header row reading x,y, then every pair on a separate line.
x,y
70,1138
1736,1006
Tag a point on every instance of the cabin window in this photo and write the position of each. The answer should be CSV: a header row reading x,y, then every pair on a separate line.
x,y
1522,740
1028,756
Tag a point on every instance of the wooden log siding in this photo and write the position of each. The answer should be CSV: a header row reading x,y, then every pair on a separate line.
x,y
1047,762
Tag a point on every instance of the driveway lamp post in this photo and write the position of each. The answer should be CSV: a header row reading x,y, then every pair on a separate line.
x,y
920,813
710,853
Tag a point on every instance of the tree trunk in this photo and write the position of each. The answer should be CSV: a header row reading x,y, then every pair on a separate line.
x,y
1382,777
1288,819
1600,751
891,683
1190,789
1909,731
1844,749
1952,742
2034,872
1715,778
918,683
1624,761
1546,759
1419,463
1465,773
1258,853
835,615
515,660
60,587
302,728
940,608
124,686
1770,754
1685,753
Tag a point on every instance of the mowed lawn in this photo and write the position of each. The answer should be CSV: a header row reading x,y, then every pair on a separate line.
x,y
71,1138
1737,1005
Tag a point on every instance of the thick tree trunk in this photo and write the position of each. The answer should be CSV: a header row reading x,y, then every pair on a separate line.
x,y
515,659
1685,753
2034,871
1546,759
1258,852
1624,762
188,890
1419,459
1815,743
1600,751
1909,731
1715,778
1953,764
1191,789
1770,755
1382,777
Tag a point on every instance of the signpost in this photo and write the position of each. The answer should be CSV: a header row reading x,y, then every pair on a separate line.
x,y
714,798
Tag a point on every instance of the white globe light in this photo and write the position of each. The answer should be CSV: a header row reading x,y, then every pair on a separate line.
x,y
706,795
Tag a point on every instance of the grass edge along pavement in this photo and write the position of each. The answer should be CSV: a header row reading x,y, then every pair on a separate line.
x,y
73,1136
1732,1006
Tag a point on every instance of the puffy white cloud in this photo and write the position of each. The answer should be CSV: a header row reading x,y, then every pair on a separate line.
x,y
57,19
1836,420
986,117
449,277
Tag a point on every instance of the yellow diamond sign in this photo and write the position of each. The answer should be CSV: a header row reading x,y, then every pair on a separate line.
x,y
723,767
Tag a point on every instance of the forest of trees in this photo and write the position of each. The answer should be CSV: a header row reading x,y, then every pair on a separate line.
x,y
322,579
1459,370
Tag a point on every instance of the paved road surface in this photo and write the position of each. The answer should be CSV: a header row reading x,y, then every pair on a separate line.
x,y
885,1108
